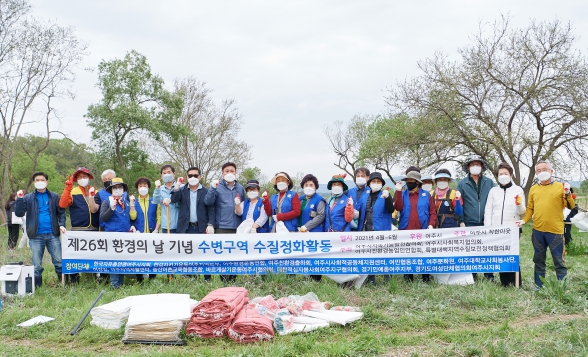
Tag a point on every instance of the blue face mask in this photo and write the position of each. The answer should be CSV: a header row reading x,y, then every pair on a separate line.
x,y
167,178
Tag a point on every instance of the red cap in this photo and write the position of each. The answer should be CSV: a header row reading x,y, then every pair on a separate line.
x,y
81,170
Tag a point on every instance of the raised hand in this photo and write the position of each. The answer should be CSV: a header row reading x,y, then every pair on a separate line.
x,y
398,186
158,184
68,183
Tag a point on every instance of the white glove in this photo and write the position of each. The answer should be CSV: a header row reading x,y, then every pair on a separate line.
x,y
303,229
275,217
567,188
237,200
355,214
155,231
112,202
430,227
158,184
210,230
179,182
462,224
457,195
253,230
385,194
264,195
214,184
398,186
133,229
166,201
20,194
519,222
132,200
62,229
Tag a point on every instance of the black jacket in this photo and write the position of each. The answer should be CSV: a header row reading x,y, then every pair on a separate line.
x,y
205,213
28,205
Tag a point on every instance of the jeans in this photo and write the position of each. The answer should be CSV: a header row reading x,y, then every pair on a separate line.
x,y
53,244
555,242
117,280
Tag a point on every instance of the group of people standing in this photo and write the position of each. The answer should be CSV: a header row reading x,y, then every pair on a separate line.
x,y
184,205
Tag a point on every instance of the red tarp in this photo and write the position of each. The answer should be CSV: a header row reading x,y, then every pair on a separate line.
x,y
213,315
250,326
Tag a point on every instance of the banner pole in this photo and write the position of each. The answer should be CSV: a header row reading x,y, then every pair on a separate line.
x,y
168,220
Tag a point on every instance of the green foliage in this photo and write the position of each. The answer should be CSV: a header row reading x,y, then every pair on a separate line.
x,y
22,170
250,173
135,107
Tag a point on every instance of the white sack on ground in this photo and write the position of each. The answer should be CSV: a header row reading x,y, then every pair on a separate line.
x,y
454,279
112,315
338,317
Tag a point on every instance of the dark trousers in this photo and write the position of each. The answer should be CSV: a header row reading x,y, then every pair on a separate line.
x,y
13,230
195,230
555,242
410,277
509,279
567,233
226,278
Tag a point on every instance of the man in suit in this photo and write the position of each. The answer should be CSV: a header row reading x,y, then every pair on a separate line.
x,y
194,216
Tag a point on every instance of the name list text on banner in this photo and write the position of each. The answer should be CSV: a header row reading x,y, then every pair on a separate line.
x,y
439,251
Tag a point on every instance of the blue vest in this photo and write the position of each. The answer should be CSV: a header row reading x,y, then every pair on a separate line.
x,y
422,209
357,201
381,219
120,221
103,197
256,214
291,224
337,215
151,216
311,206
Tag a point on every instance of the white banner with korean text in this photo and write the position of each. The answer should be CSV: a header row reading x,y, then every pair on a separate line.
x,y
439,251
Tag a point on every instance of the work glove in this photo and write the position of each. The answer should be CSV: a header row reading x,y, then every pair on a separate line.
x,y
133,229
155,231
166,201
386,193
112,202
355,214
158,184
237,200
132,200
264,196
518,200
344,174
430,227
210,230
62,229
566,187
253,230
214,184
179,182
398,186
350,201
303,229
68,183
20,194
92,191
462,224
520,222
457,195
275,217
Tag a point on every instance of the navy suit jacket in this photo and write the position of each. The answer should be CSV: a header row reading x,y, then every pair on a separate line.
x,y
205,213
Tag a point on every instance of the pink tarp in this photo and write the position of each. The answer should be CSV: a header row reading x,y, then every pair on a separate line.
x,y
212,317
250,326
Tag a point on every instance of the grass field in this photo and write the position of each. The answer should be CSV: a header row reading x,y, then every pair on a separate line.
x,y
401,319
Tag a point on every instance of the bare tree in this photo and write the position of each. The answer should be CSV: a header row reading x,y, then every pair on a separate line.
x,y
37,63
518,95
214,129
346,140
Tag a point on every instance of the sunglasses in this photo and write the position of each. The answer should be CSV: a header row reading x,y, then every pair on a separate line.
x,y
193,175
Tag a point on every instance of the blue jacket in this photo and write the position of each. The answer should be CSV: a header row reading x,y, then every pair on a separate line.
x,y
98,198
158,196
335,216
381,218
422,208
28,205
291,224
474,205
310,210
256,214
119,220
222,199
205,213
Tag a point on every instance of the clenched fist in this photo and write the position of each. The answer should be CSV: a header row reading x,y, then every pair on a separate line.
x,y
214,184
398,186
237,200
20,194
92,191
158,184
132,199
457,195
385,193
112,202
566,188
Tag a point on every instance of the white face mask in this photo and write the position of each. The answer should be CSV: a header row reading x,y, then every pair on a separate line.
x,y
252,194
442,185
427,187
193,181
336,190
376,187
282,186
167,178
40,185
143,191
544,176
309,191
83,182
504,179
475,170
360,181
230,177
117,192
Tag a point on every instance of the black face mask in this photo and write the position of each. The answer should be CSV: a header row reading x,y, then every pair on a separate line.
x,y
107,183
411,185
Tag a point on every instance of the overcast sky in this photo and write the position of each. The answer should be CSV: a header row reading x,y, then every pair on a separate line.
x,y
292,67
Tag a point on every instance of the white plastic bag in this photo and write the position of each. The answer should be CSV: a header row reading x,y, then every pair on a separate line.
x,y
581,221
245,226
281,227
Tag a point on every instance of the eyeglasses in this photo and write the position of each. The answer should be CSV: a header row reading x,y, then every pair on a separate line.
x,y
193,175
